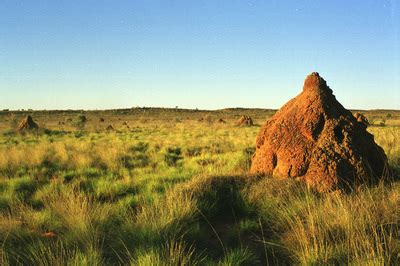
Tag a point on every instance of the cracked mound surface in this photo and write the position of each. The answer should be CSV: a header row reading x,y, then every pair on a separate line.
x,y
314,138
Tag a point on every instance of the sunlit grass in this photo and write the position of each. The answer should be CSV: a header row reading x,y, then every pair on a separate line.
x,y
176,192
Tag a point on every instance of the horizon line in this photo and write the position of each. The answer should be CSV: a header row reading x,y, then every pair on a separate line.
x,y
170,108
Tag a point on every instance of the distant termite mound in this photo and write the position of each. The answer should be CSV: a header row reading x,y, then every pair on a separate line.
x,y
109,128
245,121
315,139
27,124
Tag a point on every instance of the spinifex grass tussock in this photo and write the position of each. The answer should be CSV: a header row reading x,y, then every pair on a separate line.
x,y
361,227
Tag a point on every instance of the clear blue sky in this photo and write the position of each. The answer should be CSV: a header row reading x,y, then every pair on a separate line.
x,y
207,54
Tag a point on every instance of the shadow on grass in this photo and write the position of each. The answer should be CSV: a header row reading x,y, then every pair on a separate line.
x,y
228,222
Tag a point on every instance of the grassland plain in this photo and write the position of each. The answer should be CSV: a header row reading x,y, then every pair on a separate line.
x,y
163,188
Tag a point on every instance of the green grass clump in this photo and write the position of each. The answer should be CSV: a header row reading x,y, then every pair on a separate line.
x,y
239,257
22,188
173,156
173,253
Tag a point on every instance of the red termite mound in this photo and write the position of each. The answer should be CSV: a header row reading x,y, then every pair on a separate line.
x,y
27,124
314,138
245,120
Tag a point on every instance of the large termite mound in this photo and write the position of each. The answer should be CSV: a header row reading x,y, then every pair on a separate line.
x,y
314,138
